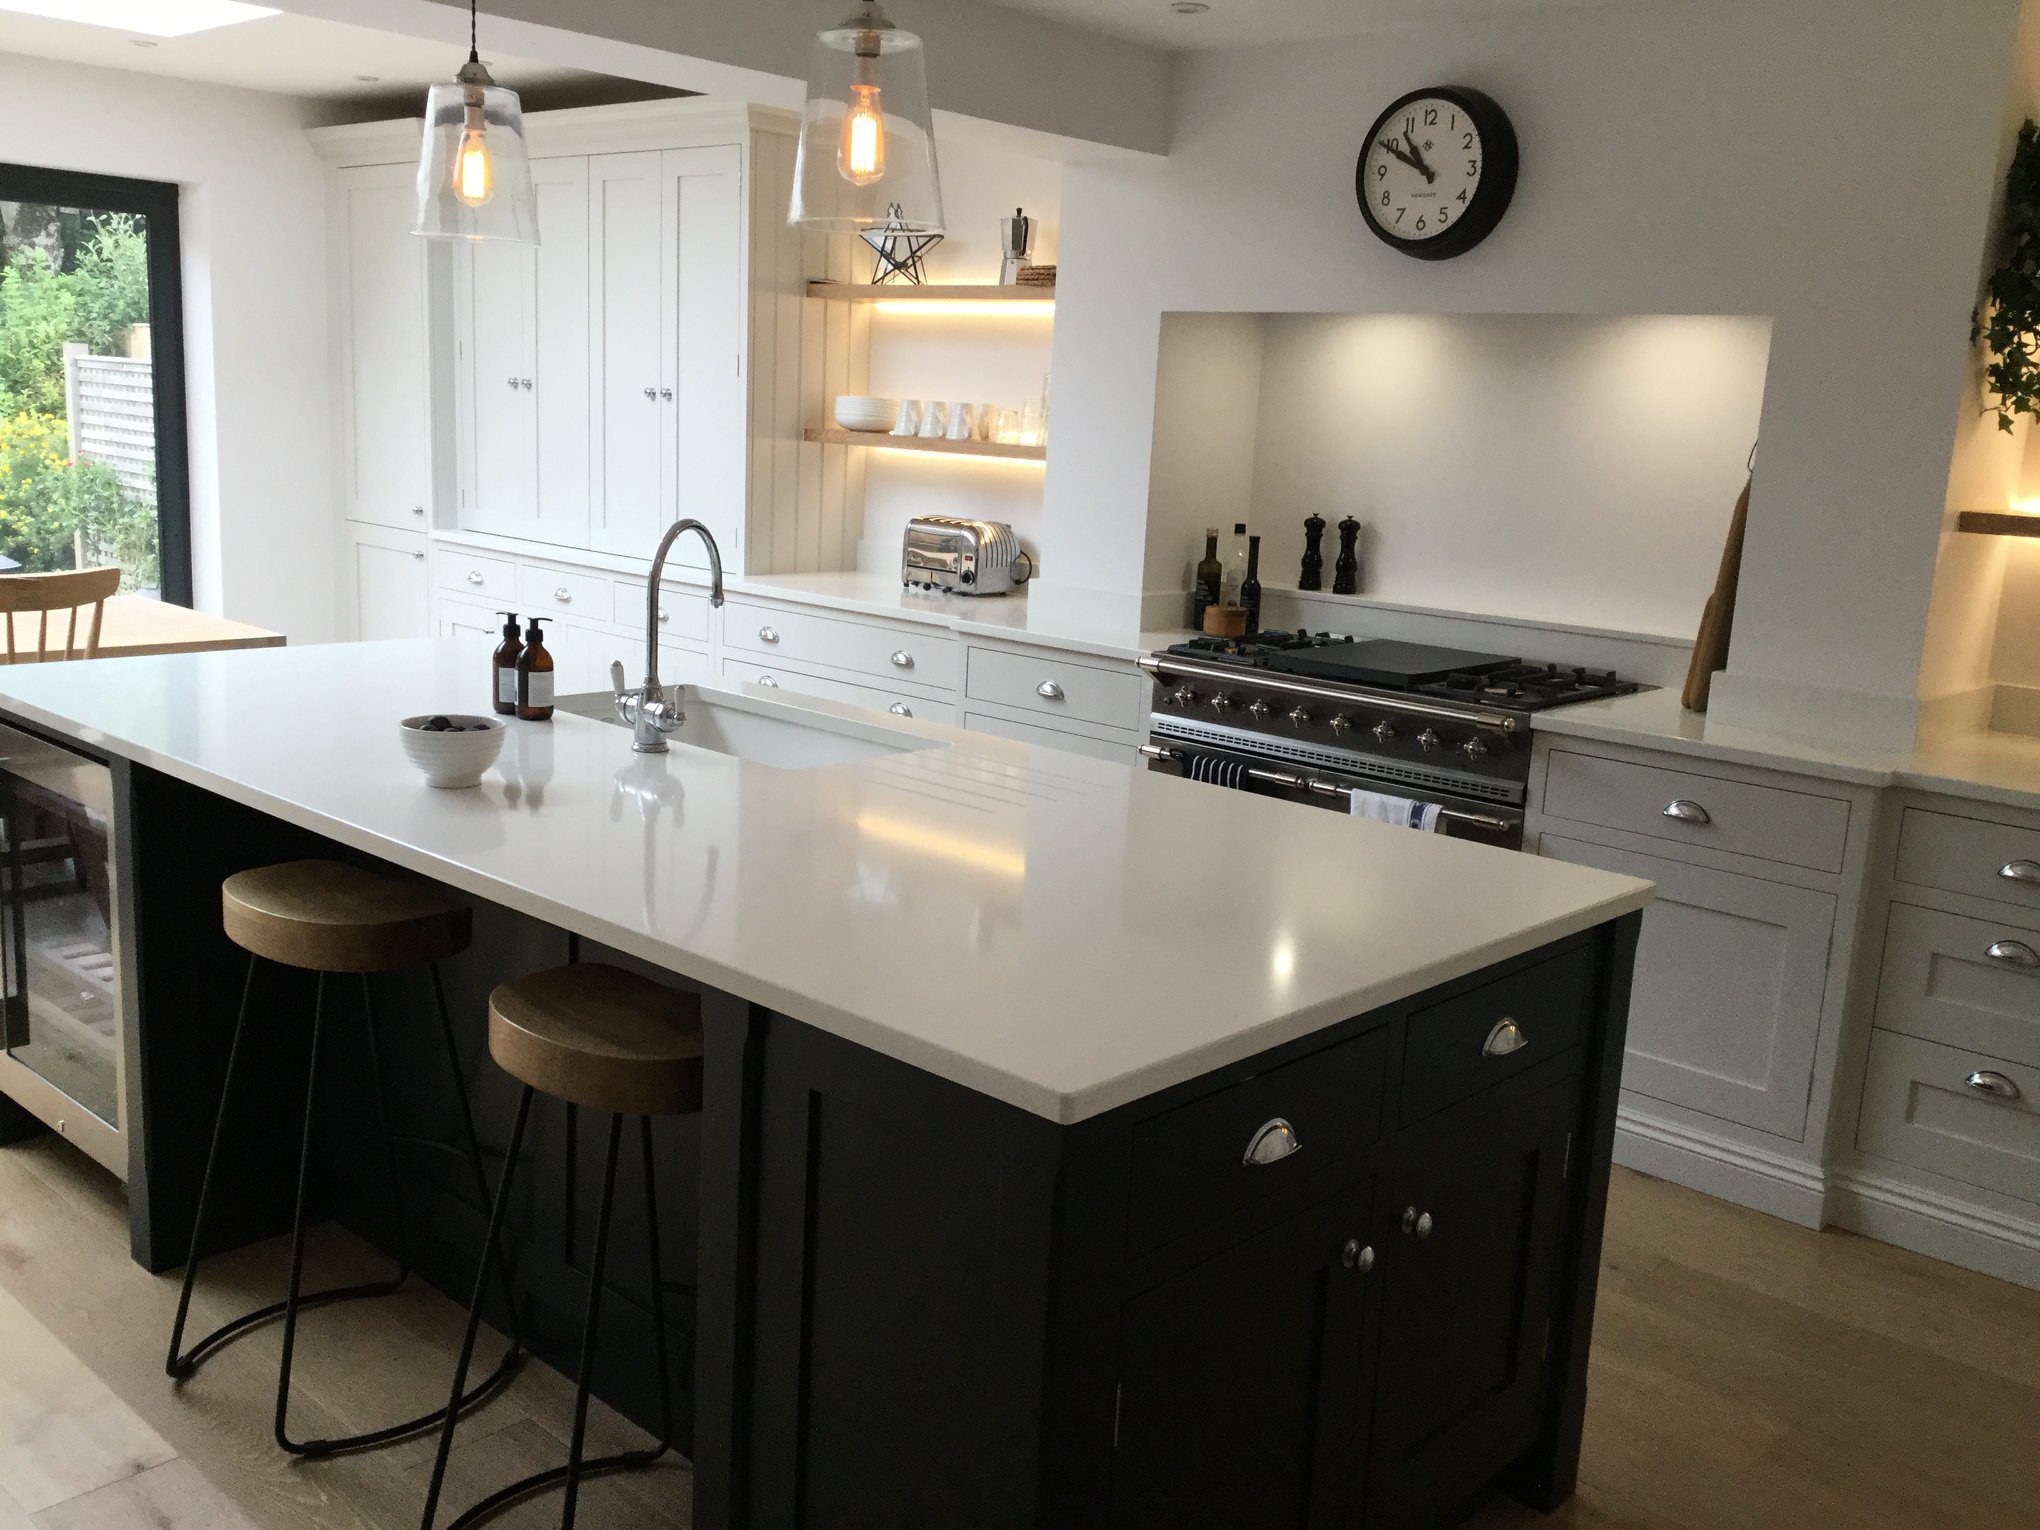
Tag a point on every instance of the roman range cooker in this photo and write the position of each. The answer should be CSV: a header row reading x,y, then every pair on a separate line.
x,y
1312,716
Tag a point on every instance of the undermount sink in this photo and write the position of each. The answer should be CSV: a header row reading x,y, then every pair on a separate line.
x,y
775,733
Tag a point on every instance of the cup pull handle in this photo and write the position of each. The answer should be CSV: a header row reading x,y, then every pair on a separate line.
x,y
767,635
2021,871
900,709
1506,1037
768,680
2013,953
1415,1223
1989,1081
1048,690
1685,810
902,659
1275,1141
474,576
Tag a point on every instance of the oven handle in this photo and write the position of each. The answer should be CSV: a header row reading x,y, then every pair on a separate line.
x,y
1332,789
1159,666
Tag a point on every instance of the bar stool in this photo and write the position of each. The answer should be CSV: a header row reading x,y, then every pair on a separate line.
x,y
605,1039
330,918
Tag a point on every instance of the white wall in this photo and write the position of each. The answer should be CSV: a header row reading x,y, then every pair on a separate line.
x,y
1207,426
252,212
1692,156
1570,470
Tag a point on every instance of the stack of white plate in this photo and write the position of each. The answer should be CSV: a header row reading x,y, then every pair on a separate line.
x,y
858,412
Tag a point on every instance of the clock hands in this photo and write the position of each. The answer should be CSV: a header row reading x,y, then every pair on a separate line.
x,y
1419,162
1410,159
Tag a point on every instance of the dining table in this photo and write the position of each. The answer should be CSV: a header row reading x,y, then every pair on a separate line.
x,y
139,624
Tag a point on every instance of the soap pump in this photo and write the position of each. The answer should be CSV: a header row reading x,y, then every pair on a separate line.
x,y
503,666
535,676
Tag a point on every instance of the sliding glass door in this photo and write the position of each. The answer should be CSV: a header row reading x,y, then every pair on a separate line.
x,y
92,443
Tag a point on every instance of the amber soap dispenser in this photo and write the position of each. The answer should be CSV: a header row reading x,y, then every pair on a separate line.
x,y
535,676
503,666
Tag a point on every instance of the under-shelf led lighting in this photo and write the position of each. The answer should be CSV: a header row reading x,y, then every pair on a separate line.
x,y
975,307
151,18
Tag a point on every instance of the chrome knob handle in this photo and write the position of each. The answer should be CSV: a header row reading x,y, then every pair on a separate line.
x,y
1991,1082
1258,709
1222,702
2013,953
902,659
662,613
524,383
1342,724
1384,732
564,596
1300,716
1473,749
419,556
2021,871
768,680
900,709
666,393
1506,1037
511,380
1415,1223
1428,740
1048,690
417,509
767,635
474,576
651,393
1275,1141
1685,810
1357,1256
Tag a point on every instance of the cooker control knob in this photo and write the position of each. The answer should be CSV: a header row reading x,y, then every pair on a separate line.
x,y
1342,724
1428,740
1384,732
1299,716
1222,702
1182,696
1259,709
1473,749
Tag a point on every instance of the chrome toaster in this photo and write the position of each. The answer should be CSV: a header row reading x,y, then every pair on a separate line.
x,y
942,552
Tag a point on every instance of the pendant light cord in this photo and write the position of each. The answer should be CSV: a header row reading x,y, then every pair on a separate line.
x,y
474,52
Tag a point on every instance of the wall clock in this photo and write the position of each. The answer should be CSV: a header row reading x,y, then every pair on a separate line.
x,y
1437,172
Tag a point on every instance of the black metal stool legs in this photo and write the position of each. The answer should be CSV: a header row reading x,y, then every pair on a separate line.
x,y
182,1365
577,1466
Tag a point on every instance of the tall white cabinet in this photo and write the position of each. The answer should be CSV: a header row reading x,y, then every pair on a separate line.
x,y
651,358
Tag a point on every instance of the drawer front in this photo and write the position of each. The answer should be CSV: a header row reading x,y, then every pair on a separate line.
x,y
1920,1108
1048,683
1475,1040
557,592
1768,822
1970,855
1119,751
683,612
1971,983
921,656
464,573
1190,1164
899,703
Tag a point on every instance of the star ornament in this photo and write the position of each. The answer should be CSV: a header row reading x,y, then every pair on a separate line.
x,y
899,250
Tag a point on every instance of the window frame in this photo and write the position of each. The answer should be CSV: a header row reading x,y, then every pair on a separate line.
x,y
157,202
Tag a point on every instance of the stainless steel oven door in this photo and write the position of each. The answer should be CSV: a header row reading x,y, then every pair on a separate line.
x,y
1488,823
60,1000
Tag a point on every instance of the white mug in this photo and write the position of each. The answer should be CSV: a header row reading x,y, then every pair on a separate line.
x,y
962,423
909,421
934,420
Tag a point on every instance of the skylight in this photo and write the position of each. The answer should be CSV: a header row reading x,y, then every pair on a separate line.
x,y
149,18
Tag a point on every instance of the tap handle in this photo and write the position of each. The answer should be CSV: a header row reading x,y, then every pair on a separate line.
x,y
616,676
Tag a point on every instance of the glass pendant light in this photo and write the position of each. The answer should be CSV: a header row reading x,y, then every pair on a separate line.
x,y
474,178
867,146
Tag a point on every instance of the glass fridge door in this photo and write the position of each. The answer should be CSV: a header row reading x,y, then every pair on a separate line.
x,y
60,1042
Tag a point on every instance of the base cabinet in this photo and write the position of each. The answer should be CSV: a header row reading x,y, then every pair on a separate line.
x,y
387,589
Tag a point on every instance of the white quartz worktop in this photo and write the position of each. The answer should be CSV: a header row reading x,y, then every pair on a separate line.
x,y
1981,765
1062,933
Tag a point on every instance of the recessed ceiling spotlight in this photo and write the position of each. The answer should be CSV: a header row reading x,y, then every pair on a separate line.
x,y
368,79
1189,7
141,42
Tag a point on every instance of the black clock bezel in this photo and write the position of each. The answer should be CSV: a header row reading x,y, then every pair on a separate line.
x,y
1498,173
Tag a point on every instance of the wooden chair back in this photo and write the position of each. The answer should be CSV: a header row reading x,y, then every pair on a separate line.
x,y
70,591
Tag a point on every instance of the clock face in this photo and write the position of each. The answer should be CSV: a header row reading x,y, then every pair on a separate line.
x,y
1437,172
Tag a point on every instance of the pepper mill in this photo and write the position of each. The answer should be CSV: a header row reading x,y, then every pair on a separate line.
x,y
1313,575
1346,572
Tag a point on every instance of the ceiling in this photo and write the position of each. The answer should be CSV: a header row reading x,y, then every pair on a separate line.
x,y
305,56
1245,23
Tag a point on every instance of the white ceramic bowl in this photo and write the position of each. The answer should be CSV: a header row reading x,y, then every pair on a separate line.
x,y
860,412
452,759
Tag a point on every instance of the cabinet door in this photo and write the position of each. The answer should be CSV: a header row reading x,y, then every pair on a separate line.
x,y
628,298
1466,1298
702,391
386,431
500,450
389,585
1240,1391
559,353
1731,976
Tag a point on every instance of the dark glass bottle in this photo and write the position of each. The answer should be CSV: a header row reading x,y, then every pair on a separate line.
x,y
1250,587
1210,575
503,666
1313,575
535,678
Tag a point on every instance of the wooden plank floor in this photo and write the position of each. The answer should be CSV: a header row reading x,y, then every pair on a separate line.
x,y
1746,1373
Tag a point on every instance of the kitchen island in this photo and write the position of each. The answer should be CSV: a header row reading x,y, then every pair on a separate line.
x,y
1080,1147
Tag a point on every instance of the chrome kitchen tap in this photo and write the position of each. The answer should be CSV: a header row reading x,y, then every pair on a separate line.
x,y
648,711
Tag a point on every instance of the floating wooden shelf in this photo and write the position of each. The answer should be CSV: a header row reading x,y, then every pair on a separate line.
x,y
833,436
864,292
1999,523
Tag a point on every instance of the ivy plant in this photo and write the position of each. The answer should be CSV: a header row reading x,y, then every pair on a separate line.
x,y
2008,323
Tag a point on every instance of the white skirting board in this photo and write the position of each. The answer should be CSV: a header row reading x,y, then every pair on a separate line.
x,y
1732,1171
